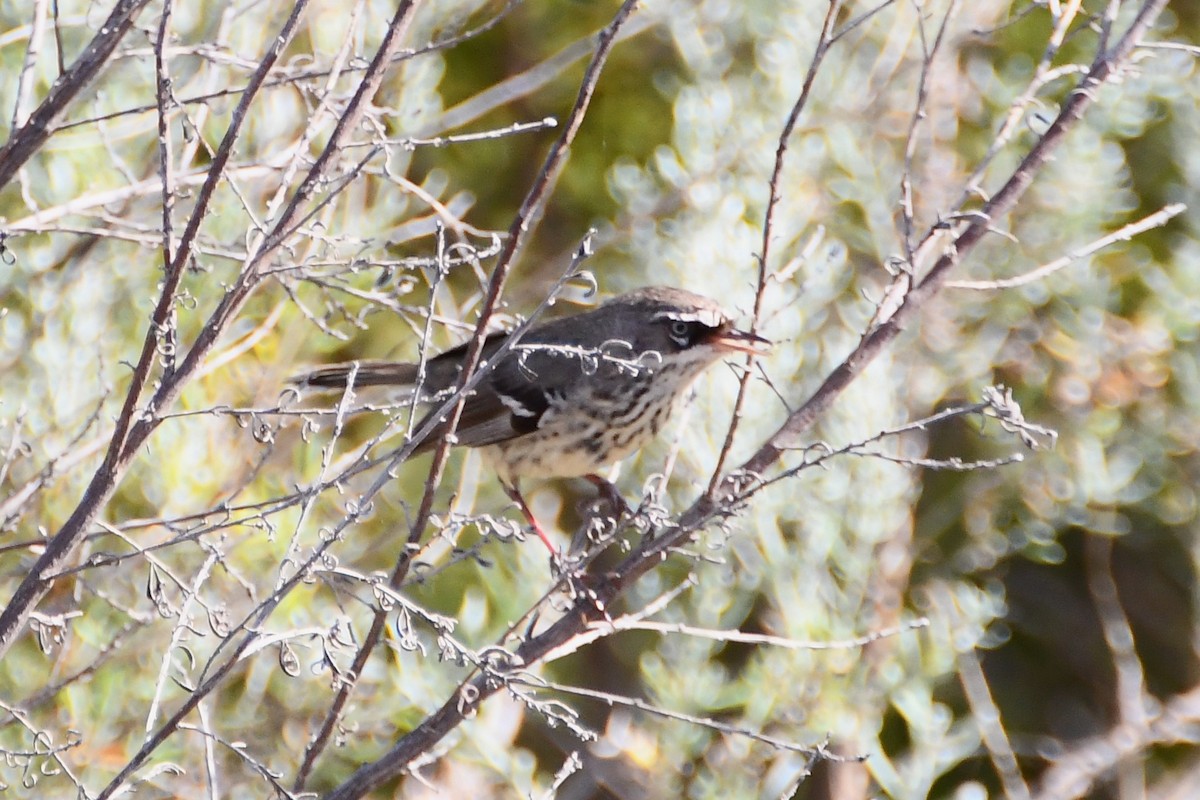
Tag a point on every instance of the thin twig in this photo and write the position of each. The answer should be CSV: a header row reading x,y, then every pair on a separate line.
x,y
24,82
28,139
529,212
1074,772
991,727
1004,200
1133,702
774,196
604,589
1123,234
132,427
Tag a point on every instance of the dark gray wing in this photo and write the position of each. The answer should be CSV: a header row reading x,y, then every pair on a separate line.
x,y
509,402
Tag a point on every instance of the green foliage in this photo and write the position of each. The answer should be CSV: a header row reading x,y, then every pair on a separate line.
x,y
939,569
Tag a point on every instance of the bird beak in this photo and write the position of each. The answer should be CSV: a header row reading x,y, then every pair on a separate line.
x,y
731,340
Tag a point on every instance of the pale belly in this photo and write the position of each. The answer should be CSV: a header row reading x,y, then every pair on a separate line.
x,y
570,445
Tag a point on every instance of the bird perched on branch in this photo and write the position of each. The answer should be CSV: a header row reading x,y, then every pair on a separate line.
x,y
574,395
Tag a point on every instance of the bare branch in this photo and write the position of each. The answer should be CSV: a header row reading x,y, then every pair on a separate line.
x,y
1123,234
132,428
602,591
28,139
824,42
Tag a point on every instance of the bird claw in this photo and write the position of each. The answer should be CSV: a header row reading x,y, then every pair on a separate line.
x,y
566,566
608,493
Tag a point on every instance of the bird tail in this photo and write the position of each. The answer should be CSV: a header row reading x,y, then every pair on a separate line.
x,y
360,373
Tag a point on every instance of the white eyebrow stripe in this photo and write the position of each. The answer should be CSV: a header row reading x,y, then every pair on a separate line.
x,y
712,319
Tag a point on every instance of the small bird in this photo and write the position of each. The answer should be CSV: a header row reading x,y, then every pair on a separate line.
x,y
574,395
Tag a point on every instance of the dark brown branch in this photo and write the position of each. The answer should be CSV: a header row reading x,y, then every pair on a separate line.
x,y
706,510
131,429
224,314
165,167
1000,204
526,216
300,76
28,139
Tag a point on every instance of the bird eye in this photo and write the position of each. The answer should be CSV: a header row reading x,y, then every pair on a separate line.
x,y
681,333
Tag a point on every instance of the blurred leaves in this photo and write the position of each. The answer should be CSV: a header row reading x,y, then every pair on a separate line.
x,y
672,165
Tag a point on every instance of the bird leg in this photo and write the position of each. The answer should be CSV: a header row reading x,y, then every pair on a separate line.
x,y
514,494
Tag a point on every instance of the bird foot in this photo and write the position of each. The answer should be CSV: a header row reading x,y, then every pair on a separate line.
x,y
610,495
